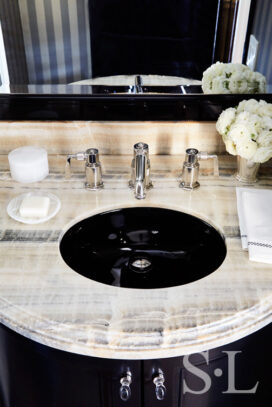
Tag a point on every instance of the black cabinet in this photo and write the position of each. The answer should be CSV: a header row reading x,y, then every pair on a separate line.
x,y
170,369
34,375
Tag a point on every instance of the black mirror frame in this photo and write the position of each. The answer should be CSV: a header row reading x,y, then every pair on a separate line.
x,y
195,107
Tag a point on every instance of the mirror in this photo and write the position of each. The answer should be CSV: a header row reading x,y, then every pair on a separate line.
x,y
119,46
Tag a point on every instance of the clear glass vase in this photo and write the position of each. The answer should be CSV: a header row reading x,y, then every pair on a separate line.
x,y
246,170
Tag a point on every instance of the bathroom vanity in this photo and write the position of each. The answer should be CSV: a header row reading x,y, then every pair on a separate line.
x,y
37,375
67,340
185,321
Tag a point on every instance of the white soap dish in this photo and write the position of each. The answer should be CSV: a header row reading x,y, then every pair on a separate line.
x,y
14,206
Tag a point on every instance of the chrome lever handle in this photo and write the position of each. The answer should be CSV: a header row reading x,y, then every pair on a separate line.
x,y
93,168
189,177
160,389
78,156
203,155
125,390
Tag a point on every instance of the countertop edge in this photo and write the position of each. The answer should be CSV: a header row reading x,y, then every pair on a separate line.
x,y
212,340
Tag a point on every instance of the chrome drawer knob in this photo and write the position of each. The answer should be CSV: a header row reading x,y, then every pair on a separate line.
x,y
160,389
125,391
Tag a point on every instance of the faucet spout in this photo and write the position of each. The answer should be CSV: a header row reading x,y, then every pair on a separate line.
x,y
140,179
140,171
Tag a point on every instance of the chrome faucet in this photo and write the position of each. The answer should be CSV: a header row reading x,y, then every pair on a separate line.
x,y
189,177
140,171
138,84
92,168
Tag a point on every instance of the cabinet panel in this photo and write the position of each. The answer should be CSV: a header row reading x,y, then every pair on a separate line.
x,y
224,382
33,375
225,376
170,369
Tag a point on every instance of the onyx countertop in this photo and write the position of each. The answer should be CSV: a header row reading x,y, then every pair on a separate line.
x,y
43,299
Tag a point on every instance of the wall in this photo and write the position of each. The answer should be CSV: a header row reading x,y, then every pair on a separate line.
x,y
262,29
12,54
56,38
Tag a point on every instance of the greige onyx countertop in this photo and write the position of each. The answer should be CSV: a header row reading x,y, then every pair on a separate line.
x,y
43,299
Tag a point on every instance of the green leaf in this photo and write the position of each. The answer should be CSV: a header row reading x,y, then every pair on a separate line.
x,y
226,84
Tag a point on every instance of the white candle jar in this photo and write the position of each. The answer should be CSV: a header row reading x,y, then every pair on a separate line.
x,y
28,164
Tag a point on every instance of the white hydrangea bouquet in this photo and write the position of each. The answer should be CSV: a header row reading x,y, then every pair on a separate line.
x,y
247,130
232,78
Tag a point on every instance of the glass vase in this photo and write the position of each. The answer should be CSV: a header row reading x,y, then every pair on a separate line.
x,y
246,170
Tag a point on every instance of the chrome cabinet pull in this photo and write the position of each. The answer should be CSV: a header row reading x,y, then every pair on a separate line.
x,y
125,391
160,389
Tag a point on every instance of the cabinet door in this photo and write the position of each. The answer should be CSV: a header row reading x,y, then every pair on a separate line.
x,y
33,375
202,382
227,384
120,383
162,382
234,375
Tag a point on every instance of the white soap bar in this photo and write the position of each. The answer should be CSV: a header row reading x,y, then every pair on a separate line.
x,y
34,207
28,164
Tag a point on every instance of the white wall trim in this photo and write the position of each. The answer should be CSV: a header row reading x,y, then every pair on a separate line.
x,y
241,31
3,61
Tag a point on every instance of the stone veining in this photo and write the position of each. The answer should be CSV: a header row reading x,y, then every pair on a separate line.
x,y
43,299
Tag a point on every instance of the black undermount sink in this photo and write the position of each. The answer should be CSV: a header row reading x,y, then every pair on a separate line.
x,y
143,247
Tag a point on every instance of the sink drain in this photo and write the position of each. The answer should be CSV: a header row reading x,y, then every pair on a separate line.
x,y
140,265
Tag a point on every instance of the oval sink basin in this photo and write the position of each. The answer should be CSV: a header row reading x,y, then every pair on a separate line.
x,y
143,247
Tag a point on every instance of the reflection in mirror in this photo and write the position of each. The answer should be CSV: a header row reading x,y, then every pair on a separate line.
x,y
259,50
102,46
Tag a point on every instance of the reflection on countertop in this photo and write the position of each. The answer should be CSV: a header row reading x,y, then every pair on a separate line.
x,y
43,299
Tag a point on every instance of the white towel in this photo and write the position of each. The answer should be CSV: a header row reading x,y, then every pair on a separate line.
x,y
255,218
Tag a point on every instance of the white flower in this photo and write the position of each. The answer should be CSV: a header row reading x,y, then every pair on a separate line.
x,y
225,120
262,155
265,109
207,82
237,83
261,80
262,86
232,78
240,132
247,130
252,121
231,147
264,139
250,106
246,148
220,86
266,122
